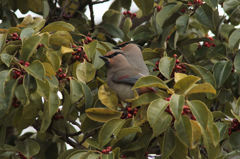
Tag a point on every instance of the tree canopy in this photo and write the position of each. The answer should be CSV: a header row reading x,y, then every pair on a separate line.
x,y
192,53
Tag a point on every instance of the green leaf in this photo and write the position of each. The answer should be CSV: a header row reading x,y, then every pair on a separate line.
x,y
113,30
60,38
204,15
158,119
112,16
146,6
90,49
200,111
53,101
109,129
29,47
6,59
196,133
234,39
2,40
102,114
150,81
176,104
28,147
36,69
221,72
3,77
212,3
202,88
166,65
182,24
58,26
75,91
237,62
183,85
143,99
234,140
184,130
107,97
54,58
166,13
204,73
26,33
168,143
85,71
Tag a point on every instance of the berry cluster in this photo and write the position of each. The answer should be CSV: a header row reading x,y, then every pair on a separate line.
x,y
179,67
235,126
13,37
129,113
60,74
18,72
209,44
107,150
15,102
87,40
187,111
159,8
21,156
129,14
58,115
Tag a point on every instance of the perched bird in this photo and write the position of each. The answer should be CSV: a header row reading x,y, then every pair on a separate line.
x,y
134,56
121,76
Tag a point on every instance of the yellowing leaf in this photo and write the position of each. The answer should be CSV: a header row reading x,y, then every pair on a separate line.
x,y
85,71
107,97
196,133
179,76
65,50
49,69
102,114
184,84
202,88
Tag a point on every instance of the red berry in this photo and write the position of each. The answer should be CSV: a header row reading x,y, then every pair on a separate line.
x,y
79,49
26,64
189,3
210,38
129,109
125,13
178,67
21,62
193,117
177,61
64,75
109,148
77,57
89,39
135,112
14,38
159,8
74,46
174,55
15,34
60,70
235,121
104,151
123,156
168,99
229,131
183,10
134,14
129,115
128,12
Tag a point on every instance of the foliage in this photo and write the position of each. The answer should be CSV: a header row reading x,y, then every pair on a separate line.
x,y
195,112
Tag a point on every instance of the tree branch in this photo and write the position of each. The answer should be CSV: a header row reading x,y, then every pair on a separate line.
x,y
98,2
90,5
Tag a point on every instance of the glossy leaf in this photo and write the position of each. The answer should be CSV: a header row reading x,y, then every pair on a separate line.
x,y
107,97
186,83
176,104
102,114
112,127
145,5
234,39
166,65
202,88
158,119
150,81
58,26
85,71
36,69
221,72
168,143
182,24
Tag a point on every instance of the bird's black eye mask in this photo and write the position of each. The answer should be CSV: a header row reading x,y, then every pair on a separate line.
x,y
105,58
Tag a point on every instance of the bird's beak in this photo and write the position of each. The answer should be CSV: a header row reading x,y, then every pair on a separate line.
x,y
105,59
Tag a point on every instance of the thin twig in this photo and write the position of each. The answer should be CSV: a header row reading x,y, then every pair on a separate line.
x,y
90,5
76,124
98,2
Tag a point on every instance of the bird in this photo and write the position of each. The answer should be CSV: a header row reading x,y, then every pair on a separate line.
x,y
134,56
121,76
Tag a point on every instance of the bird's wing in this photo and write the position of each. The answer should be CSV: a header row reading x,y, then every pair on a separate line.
x,y
127,79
